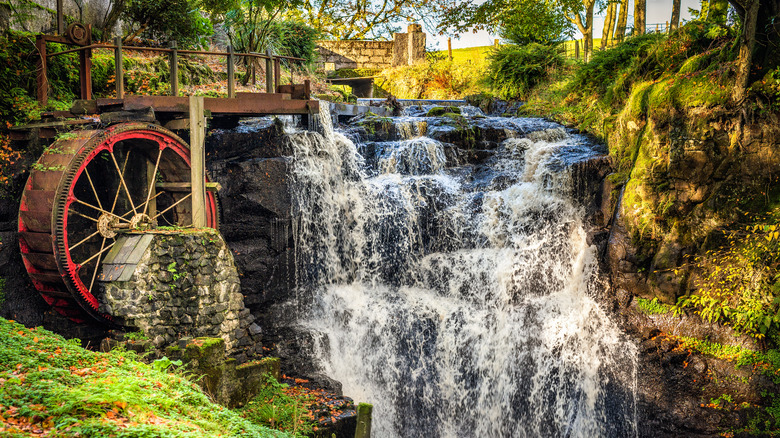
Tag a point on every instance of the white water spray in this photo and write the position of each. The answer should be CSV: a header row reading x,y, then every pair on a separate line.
x,y
458,310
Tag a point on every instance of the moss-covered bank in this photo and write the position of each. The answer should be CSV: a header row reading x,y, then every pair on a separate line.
x,y
696,202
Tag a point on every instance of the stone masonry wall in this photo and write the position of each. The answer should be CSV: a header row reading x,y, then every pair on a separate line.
x,y
356,54
185,285
406,48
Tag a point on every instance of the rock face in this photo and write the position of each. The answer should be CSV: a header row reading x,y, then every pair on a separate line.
x,y
179,285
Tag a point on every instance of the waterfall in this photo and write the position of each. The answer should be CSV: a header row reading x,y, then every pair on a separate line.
x,y
458,306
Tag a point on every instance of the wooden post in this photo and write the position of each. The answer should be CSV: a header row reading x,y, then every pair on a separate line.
x,y
449,47
277,73
174,69
85,73
577,49
42,78
269,73
151,178
495,43
667,27
60,18
363,428
231,73
198,161
119,70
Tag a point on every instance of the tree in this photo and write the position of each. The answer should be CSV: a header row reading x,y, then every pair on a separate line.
x,y
620,29
174,20
759,41
492,14
675,21
361,19
640,17
609,24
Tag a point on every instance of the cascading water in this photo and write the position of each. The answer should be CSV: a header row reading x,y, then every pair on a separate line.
x,y
455,299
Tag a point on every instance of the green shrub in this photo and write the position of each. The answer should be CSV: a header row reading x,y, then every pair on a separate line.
x,y
514,70
295,39
273,407
739,283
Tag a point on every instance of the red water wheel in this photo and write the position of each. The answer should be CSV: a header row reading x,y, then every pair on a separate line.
x,y
86,189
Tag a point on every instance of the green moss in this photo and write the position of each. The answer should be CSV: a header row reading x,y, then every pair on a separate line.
x,y
653,307
84,393
446,111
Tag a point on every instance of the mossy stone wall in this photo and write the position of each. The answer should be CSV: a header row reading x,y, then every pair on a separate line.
x,y
184,285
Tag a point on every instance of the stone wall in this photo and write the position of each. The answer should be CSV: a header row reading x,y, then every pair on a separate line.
x,y
406,48
176,286
356,54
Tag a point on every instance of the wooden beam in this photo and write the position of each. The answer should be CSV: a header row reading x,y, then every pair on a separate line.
x,y
240,107
198,160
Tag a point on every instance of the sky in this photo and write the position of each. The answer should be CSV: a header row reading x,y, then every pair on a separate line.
x,y
658,11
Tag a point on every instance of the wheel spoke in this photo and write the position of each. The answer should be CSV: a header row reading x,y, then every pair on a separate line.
x,y
122,180
173,205
97,265
154,177
119,186
99,209
94,192
96,255
84,240
84,216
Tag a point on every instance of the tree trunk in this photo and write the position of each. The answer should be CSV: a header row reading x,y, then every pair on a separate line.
x,y
675,22
586,28
620,29
589,4
609,24
746,46
640,20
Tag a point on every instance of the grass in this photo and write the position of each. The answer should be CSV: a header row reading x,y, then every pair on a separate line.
x,y
52,386
276,408
470,55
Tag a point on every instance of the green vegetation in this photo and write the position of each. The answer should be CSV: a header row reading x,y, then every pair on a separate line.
x,y
653,307
276,408
740,283
435,78
54,386
515,69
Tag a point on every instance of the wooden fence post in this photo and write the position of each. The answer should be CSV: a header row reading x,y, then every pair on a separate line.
x,y
174,68
449,47
269,73
231,72
577,49
119,70
85,73
363,428
198,161
42,78
277,73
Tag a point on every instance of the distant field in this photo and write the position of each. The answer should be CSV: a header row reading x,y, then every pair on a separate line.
x,y
475,55
479,54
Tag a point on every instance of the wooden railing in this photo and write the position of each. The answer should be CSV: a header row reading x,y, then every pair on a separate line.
x,y
272,65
